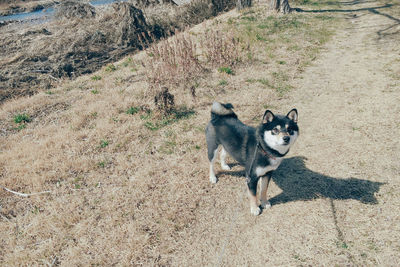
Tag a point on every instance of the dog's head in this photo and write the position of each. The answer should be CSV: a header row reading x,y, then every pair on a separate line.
x,y
279,132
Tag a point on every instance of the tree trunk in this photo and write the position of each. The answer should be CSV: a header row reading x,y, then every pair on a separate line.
x,y
241,4
280,5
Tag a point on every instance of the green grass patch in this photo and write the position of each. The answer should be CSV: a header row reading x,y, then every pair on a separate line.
x,y
22,118
249,18
104,143
263,81
226,70
129,61
132,110
259,37
110,68
96,78
222,83
20,127
101,164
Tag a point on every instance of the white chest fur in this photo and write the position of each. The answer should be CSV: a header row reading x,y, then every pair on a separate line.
x,y
274,164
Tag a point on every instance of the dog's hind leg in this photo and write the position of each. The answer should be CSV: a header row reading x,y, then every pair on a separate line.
x,y
212,148
265,204
212,155
222,157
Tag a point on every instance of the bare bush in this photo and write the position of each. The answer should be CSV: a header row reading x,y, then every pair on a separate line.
x,y
177,64
173,61
221,48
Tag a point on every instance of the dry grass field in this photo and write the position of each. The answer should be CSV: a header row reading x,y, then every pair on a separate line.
x,y
124,181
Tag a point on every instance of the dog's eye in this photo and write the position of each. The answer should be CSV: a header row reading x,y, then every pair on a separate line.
x,y
290,131
275,131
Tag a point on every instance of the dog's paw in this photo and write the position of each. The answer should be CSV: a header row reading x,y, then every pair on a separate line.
x,y
225,167
255,211
265,205
213,179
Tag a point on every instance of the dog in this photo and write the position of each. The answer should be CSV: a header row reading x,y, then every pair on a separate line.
x,y
260,150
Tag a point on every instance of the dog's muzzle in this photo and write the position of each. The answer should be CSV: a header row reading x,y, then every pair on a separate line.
x,y
286,139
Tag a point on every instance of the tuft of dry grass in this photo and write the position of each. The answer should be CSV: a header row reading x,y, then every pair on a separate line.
x,y
173,61
221,48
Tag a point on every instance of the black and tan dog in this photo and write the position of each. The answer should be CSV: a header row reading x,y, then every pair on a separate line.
x,y
260,150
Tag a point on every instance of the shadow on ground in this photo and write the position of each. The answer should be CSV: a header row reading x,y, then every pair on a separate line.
x,y
298,183
375,10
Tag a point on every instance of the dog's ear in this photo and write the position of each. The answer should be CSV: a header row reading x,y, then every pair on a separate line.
x,y
268,116
292,115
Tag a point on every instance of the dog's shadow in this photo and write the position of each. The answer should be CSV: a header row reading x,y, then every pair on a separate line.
x,y
300,183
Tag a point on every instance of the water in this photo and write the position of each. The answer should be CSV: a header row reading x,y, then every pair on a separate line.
x,y
38,14
45,14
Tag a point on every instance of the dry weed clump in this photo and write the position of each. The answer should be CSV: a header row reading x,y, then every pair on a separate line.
x,y
180,61
197,11
173,61
164,101
170,17
73,9
221,48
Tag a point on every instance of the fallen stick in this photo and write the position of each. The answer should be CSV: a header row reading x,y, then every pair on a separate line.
x,y
23,194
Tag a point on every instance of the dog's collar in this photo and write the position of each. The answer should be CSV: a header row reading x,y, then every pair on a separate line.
x,y
271,154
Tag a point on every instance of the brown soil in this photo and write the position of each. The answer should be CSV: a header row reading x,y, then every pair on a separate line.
x,y
125,194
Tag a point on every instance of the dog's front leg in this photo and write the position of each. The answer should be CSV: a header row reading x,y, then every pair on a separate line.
x,y
252,192
265,204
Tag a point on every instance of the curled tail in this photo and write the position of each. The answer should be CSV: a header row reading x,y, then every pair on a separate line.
x,y
222,109
218,110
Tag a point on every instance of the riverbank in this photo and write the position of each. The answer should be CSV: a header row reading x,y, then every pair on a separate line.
x,y
81,39
10,7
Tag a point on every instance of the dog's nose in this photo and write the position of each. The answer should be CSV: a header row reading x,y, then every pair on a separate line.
x,y
286,139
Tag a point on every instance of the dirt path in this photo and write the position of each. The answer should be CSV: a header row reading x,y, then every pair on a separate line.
x,y
334,198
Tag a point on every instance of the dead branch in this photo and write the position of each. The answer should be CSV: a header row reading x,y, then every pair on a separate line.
x,y
23,194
